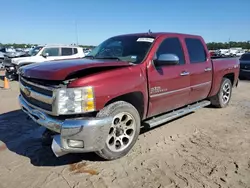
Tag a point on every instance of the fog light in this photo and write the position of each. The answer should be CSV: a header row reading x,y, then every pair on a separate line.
x,y
76,143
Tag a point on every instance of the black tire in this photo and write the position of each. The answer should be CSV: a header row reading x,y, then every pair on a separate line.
x,y
217,100
114,109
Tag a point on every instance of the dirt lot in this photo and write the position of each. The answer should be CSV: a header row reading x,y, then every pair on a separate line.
x,y
209,148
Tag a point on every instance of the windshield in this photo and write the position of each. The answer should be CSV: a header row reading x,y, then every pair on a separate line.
x,y
35,50
245,57
126,48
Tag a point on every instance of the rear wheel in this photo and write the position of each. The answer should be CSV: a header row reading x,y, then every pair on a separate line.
x,y
124,130
223,97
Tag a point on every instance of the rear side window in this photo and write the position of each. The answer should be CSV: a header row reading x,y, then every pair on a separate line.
x,y
172,46
66,51
196,50
75,51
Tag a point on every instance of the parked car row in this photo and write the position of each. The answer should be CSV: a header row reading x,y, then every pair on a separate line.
x,y
232,52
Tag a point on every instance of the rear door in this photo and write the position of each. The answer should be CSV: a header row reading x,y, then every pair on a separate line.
x,y
200,69
168,85
69,53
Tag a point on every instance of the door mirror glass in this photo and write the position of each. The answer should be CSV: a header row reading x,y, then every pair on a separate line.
x,y
166,59
45,55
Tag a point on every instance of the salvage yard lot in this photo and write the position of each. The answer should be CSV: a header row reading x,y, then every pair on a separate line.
x,y
208,148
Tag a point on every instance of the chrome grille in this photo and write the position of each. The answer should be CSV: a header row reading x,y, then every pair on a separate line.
x,y
37,96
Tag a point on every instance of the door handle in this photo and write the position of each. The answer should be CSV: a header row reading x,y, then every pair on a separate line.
x,y
207,69
184,73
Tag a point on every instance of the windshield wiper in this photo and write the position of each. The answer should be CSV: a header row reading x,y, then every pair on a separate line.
x,y
116,58
89,56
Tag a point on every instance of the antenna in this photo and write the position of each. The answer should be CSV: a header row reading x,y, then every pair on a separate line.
x,y
149,32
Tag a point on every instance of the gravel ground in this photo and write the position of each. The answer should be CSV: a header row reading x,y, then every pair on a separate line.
x,y
208,148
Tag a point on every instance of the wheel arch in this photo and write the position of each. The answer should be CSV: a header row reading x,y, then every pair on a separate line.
x,y
231,77
134,98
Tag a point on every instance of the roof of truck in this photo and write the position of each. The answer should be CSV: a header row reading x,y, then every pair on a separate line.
x,y
60,45
158,34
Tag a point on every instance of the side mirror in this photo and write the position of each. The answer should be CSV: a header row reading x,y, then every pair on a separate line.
x,y
45,55
166,59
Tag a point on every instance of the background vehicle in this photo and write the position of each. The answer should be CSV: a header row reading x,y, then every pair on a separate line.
x,y
1,60
41,54
239,53
245,66
100,102
214,54
87,51
224,52
233,52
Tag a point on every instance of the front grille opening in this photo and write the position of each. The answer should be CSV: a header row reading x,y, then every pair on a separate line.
x,y
37,89
37,103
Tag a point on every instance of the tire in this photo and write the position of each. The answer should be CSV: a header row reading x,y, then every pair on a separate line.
x,y
220,100
125,129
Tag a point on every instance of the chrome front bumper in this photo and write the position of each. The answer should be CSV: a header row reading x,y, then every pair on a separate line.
x,y
92,132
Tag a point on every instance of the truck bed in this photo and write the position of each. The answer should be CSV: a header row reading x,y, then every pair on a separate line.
x,y
223,67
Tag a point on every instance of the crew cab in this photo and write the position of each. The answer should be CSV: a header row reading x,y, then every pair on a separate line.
x,y
41,54
99,103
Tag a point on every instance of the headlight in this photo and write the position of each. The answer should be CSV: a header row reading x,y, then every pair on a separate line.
x,y
13,60
76,100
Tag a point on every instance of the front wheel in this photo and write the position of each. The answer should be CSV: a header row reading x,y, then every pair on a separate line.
x,y
124,130
223,97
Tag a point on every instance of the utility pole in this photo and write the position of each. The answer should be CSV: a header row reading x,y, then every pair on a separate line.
x,y
76,32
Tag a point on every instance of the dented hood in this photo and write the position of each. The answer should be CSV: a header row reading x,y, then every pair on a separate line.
x,y
59,70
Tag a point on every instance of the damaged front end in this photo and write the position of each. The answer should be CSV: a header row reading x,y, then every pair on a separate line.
x,y
52,108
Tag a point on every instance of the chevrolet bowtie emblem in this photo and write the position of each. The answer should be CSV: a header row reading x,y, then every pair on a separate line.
x,y
27,91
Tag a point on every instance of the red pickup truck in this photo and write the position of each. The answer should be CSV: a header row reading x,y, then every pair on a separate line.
x,y
99,103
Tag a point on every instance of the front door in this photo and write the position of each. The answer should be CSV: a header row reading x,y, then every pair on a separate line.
x,y
169,86
53,53
201,69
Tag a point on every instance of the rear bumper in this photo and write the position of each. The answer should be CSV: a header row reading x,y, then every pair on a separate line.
x,y
92,132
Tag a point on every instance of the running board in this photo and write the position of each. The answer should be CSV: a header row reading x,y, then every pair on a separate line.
x,y
155,121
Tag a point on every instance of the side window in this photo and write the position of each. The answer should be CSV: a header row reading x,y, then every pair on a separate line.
x,y
75,51
51,51
67,51
172,46
196,50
